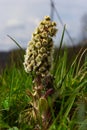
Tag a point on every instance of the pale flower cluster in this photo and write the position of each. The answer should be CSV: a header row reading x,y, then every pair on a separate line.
x,y
38,56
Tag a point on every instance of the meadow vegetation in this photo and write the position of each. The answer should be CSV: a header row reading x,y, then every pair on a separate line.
x,y
68,103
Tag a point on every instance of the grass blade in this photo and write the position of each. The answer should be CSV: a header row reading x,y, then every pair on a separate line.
x,y
15,42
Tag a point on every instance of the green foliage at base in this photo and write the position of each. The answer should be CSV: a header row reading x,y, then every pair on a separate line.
x,y
70,109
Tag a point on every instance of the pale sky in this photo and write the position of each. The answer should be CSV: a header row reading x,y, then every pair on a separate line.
x,y
20,17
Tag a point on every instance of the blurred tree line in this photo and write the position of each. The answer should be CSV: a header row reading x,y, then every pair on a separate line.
x,y
84,27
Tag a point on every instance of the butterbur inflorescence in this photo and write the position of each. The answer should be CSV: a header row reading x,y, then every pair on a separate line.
x,y
38,58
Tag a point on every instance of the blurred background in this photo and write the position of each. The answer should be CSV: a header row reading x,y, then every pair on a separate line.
x,y
19,18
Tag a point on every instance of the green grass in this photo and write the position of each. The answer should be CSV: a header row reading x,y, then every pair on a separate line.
x,y
70,82
13,98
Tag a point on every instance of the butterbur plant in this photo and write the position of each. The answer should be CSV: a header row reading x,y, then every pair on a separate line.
x,y
38,62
